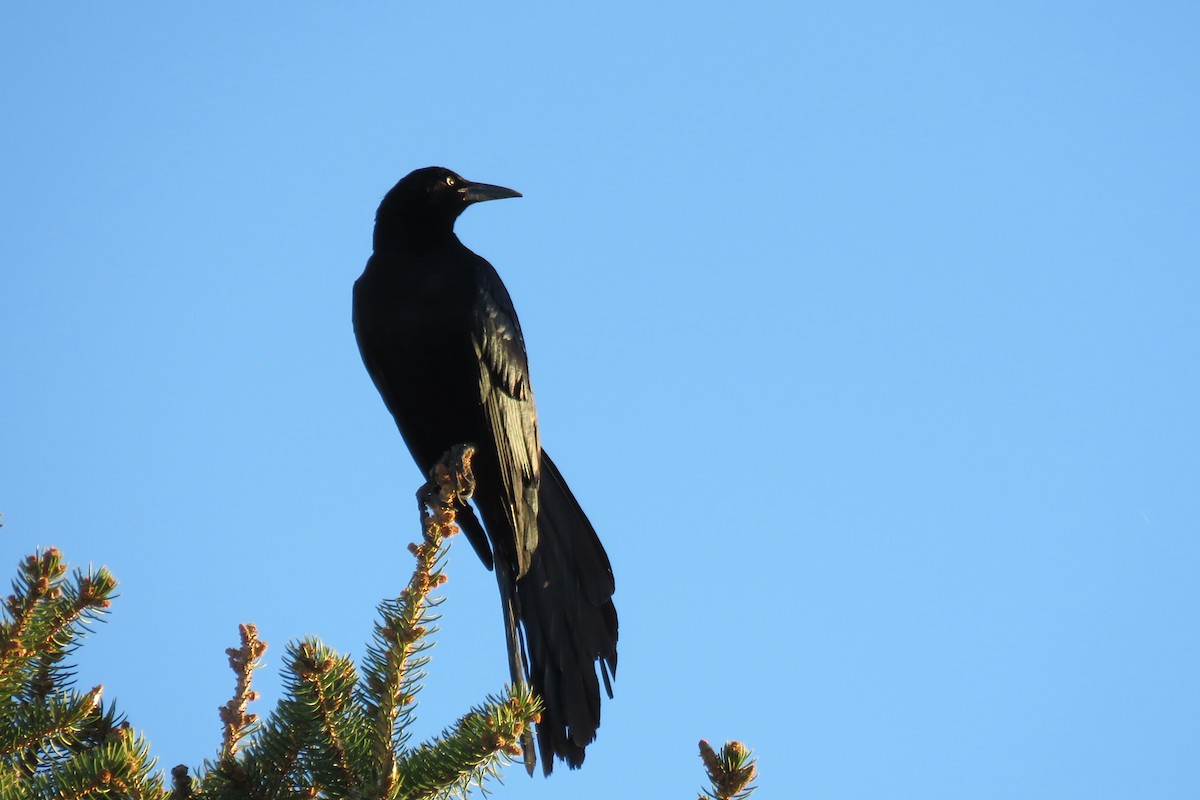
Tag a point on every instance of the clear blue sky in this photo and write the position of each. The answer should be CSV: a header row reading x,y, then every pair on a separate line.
x,y
874,361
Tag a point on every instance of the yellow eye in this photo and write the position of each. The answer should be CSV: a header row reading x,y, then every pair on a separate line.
x,y
450,180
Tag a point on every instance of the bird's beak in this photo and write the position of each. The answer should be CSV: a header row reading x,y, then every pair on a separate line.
x,y
478,192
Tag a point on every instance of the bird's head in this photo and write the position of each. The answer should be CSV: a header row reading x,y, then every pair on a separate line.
x,y
426,202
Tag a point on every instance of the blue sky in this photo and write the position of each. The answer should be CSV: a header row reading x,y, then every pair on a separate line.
x,y
866,334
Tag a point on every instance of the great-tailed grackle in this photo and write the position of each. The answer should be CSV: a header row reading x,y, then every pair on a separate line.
x,y
439,335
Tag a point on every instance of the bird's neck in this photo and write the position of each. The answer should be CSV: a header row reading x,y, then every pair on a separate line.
x,y
393,237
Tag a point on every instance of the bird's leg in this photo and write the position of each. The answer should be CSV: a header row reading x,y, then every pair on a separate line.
x,y
451,477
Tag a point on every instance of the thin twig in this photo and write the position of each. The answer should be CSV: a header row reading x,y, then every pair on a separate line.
x,y
236,722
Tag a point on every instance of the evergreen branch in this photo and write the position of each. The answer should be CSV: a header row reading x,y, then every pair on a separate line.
x,y
477,747
13,785
119,768
237,724
49,733
301,751
48,728
325,688
730,771
46,617
37,576
393,666
84,600
101,724
269,767
279,766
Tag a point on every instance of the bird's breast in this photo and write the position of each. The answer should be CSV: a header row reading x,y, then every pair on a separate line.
x,y
414,332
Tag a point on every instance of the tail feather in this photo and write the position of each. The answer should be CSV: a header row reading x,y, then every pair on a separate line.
x,y
570,622
514,643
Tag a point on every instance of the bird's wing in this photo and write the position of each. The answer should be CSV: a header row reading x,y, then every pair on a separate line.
x,y
508,407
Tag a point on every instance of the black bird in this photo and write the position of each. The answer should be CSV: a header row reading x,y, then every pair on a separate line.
x,y
439,335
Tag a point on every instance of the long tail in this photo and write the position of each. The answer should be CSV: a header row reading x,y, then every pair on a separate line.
x,y
570,622
513,641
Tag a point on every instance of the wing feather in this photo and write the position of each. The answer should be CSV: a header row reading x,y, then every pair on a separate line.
x,y
508,406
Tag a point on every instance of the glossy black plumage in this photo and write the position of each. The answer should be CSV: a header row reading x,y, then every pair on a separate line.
x,y
440,338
